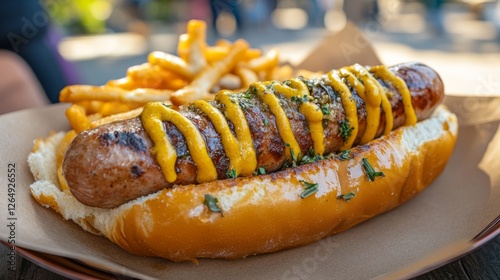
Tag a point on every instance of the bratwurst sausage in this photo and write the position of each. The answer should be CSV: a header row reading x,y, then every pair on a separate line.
x,y
112,164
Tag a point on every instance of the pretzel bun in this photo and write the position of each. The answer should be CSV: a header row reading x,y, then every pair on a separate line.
x,y
261,213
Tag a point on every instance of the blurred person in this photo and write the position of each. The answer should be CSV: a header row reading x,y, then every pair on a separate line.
x,y
316,11
257,14
129,16
138,22
199,9
360,11
221,7
19,88
497,19
25,29
434,9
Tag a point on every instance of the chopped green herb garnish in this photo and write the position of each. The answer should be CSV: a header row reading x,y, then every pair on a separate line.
x,y
231,173
309,82
252,89
345,155
310,188
244,104
370,172
270,87
247,95
345,129
311,156
347,196
300,99
266,122
166,105
308,159
211,202
261,171
294,157
325,109
311,152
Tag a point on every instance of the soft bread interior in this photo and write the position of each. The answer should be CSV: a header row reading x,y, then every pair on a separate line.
x,y
140,221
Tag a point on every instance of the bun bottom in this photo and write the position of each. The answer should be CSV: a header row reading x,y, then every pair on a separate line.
x,y
264,213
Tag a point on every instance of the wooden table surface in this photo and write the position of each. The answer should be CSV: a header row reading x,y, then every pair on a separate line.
x,y
483,263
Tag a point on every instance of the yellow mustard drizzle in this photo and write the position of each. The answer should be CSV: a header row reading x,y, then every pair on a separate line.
x,y
376,96
153,116
310,110
247,161
229,142
349,105
372,97
387,107
383,73
239,146
282,122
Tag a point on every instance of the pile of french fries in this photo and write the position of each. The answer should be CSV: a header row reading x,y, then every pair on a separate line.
x,y
197,72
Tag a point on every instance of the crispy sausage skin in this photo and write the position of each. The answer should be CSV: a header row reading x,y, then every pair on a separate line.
x,y
111,164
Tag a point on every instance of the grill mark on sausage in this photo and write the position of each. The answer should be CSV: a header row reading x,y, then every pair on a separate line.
x,y
126,139
136,171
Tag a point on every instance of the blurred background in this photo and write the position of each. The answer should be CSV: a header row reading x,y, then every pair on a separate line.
x,y
97,40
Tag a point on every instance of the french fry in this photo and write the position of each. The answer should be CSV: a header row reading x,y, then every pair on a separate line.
x,y
183,47
280,73
117,117
263,63
124,83
175,84
94,117
77,118
91,106
196,43
77,93
252,54
216,53
112,108
147,72
171,63
192,44
223,43
199,88
194,56
61,150
151,76
230,81
246,75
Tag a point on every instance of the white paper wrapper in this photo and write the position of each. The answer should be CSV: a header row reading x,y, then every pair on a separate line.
x,y
432,228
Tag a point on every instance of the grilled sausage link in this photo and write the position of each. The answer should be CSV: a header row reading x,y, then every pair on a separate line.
x,y
112,164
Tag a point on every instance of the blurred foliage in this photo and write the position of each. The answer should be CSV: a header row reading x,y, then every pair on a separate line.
x,y
80,16
91,16
161,10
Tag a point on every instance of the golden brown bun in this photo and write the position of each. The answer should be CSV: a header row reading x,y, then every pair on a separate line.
x,y
262,213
